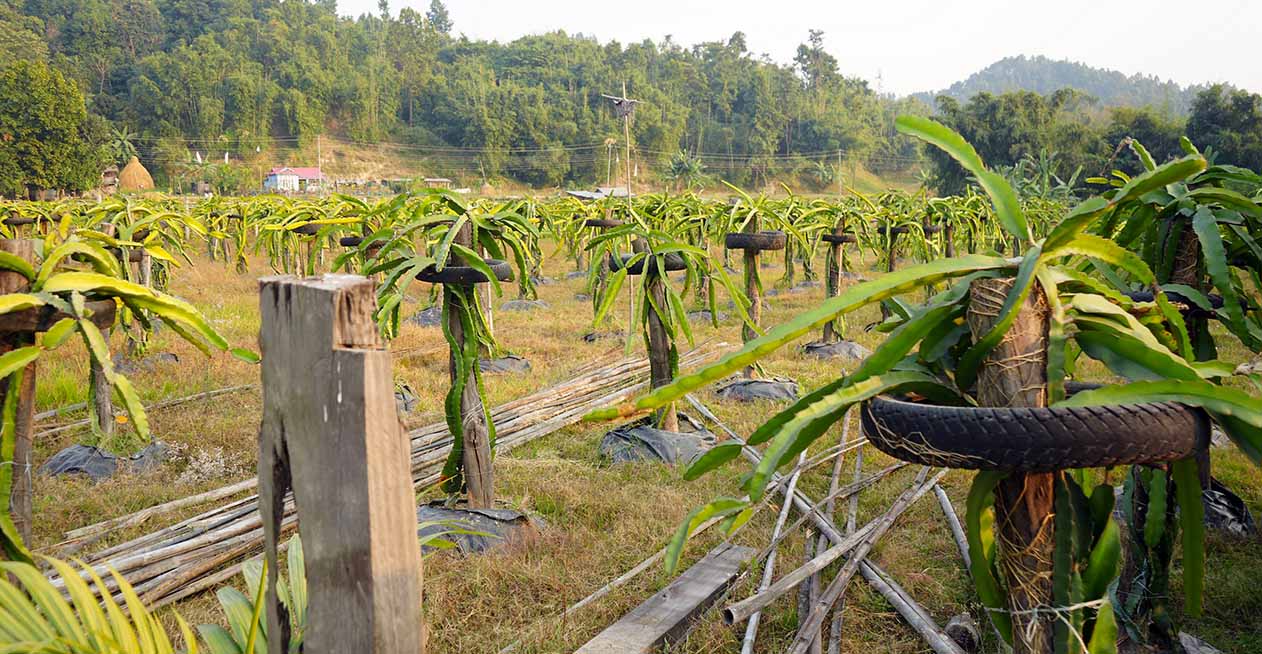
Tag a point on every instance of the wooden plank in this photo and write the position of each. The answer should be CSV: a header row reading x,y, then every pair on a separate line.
x,y
330,432
668,616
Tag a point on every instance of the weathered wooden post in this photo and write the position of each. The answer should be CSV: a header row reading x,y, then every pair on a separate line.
x,y
19,500
1015,375
331,435
660,372
836,266
753,290
18,329
476,450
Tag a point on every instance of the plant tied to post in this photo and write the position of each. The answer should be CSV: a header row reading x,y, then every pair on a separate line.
x,y
441,240
750,237
1197,237
658,246
1062,298
74,290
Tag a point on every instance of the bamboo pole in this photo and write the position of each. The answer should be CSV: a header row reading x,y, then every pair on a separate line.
x,y
769,567
834,629
170,559
809,629
906,606
165,404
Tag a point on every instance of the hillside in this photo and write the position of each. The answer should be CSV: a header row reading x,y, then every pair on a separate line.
x,y
1043,75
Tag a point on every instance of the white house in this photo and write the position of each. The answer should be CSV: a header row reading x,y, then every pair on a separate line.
x,y
293,180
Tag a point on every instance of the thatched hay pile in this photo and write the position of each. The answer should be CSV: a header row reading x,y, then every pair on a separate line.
x,y
134,177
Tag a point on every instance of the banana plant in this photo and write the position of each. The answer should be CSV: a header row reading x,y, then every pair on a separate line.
x,y
929,352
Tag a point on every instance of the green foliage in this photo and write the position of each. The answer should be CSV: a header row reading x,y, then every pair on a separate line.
x,y
46,138
247,624
1143,341
75,269
1042,75
234,76
1229,121
37,618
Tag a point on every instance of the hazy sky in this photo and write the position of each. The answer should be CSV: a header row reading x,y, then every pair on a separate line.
x,y
913,45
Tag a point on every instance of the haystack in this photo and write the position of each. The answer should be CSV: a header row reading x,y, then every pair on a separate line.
x,y
134,177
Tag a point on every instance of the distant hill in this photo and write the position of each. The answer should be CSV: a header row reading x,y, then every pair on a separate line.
x,y
1043,75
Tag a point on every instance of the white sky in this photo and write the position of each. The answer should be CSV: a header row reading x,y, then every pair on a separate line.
x,y
914,45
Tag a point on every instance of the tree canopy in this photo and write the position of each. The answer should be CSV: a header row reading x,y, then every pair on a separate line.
x,y
255,78
47,138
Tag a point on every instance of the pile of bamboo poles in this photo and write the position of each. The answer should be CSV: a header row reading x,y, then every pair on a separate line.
x,y
198,553
820,609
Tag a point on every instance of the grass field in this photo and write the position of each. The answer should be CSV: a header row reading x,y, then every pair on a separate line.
x,y
602,519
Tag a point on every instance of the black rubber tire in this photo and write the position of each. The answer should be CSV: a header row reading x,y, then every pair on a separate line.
x,y
355,241
1034,439
880,229
1192,311
18,221
467,274
932,229
602,223
310,229
134,255
765,240
673,262
838,238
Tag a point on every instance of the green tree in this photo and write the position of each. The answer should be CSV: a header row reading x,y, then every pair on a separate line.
x,y
438,17
20,36
1229,121
47,140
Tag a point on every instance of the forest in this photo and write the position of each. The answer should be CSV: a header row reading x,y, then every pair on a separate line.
x,y
1044,75
255,83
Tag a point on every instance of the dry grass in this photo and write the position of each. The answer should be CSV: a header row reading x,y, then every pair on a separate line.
x,y
602,520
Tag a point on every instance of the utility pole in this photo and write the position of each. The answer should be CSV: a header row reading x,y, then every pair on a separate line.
x,y
609,143
841,188
623,107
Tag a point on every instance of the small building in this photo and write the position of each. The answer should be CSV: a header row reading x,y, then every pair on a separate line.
x,y
437,182
600,193
109,180
293,180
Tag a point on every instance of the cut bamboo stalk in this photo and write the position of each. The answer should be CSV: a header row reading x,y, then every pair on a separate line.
x,y
160,405
913,613
170,558
961,542
744,609
834,632
769,567
804,505
809,629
